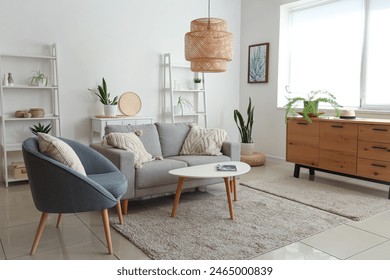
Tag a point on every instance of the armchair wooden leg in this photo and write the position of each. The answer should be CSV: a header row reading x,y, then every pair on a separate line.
x,y
119,211
125,206
106,225
59,220
38,234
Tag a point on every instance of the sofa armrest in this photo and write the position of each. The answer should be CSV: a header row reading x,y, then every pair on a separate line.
x,y
122,159
232,150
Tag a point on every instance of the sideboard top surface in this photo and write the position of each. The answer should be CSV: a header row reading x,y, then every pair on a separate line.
x,y
356,120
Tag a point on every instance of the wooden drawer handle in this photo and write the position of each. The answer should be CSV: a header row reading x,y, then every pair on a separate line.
x,y
301,123
380,129
336,126
379,148
378,165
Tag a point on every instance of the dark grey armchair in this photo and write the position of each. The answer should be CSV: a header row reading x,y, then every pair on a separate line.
x,y
56,188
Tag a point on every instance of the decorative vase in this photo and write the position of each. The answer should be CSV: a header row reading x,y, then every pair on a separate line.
x,y
247,148
10,80
5,80
110,110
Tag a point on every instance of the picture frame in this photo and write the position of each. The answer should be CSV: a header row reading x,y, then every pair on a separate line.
x,y
258,60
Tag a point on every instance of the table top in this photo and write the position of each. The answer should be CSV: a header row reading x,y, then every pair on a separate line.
x,y
210,170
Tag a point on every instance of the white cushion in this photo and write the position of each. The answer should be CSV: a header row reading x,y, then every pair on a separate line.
x,y
129,142
60,151
203,141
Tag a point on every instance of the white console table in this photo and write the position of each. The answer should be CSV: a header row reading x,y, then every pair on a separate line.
x,y
98,124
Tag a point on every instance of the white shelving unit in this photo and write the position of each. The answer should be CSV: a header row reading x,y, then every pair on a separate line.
x,y
23,96
98,124
178,81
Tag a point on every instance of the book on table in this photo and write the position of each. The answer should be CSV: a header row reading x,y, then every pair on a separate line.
x,y
226,167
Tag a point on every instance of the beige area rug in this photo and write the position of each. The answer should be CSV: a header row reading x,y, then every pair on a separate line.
x,y
352,201
202,228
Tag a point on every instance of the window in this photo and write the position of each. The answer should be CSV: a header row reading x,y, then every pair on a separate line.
x,y
377,76
339,46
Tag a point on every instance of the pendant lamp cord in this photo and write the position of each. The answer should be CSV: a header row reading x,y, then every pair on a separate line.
x,y
209,23
209,9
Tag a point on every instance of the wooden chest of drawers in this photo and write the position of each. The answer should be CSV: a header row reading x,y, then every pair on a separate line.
x,y
358,148
374,151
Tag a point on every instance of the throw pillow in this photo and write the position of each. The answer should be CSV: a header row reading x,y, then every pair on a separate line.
x,y
203,141
59,150
129,142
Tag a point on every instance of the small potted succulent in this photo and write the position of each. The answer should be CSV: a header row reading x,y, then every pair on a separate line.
x,y
38,79
309,104
35,129
197,82
110,105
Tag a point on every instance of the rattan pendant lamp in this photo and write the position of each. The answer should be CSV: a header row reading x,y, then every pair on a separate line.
x,y
208,45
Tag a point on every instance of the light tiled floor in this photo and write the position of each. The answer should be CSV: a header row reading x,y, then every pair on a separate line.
x,y
81,236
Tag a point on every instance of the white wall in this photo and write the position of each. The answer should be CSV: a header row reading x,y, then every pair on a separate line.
x,y
260,24
121,40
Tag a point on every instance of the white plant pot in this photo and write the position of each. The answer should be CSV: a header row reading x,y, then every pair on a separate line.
x,y
177,110
110,110
41,83
247,148
197,86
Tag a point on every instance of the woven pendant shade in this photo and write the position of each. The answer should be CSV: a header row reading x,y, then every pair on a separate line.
x,y
208,46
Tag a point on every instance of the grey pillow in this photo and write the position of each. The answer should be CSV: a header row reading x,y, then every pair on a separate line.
x,y
172,136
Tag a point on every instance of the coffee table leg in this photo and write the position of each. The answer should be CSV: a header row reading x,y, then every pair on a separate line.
x,y
235,188
177,196
229,198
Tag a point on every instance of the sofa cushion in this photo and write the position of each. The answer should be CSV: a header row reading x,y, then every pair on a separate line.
x,y
155,173
149,136
203,141
192,160
172,136
130,142
114,182
59,150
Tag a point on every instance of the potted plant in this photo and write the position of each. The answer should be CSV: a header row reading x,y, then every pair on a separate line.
x,y
245,129
310,104
110,105
40,128
181,103
197,82
38,79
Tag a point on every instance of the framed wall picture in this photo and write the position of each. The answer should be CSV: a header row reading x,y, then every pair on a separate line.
x,y
258,63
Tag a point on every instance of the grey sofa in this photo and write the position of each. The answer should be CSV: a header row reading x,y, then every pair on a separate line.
x,y
166,140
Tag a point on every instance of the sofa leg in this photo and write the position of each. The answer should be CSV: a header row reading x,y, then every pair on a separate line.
x,y
125,206
59,220
119,212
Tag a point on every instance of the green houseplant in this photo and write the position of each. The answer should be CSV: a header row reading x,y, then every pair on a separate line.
x,y
245,129
38,78
309,104
104,96
40,128
181,103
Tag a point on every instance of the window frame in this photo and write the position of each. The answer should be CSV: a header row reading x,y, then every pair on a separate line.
x,y
284,66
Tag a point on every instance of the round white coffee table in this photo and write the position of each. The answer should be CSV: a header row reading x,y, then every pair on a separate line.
x,y
210,171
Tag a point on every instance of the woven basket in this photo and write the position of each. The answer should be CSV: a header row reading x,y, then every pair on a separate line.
x,y
256,159
37,112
